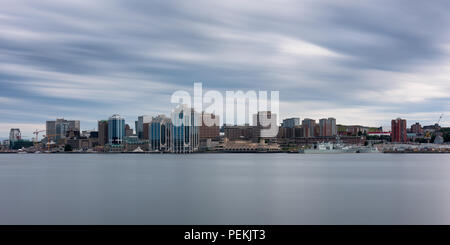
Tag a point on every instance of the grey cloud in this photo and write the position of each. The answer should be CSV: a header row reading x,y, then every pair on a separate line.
x,y
155,47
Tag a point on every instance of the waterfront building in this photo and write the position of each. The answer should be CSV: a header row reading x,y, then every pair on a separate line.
x,y
134,144
327,127
116,130
289,133
160,136
57,129
185,136
14,135
398,130
208,131
354,130
102,132
308,126
140,126
291,122
245,132
248,146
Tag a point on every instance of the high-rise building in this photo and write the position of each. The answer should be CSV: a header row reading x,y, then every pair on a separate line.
x,y
103,132
327,127
332,126
146,132
209,130
308,126
416,128
140,125
14,135
185,130
323,127
398,130
160,134
128,131
291,122
58,129
116,130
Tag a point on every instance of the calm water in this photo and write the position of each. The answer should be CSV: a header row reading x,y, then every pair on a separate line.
x,y
225,189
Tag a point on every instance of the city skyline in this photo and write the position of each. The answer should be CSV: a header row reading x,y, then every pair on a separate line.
x,y
322,123
360,63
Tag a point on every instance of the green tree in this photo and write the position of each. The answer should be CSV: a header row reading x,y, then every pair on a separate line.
x,y
67,148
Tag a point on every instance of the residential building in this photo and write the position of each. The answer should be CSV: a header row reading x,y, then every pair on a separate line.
x,y
291,122
308,126
398,130
416,128
327,127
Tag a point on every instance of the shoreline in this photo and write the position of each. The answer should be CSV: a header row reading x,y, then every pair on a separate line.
x,y
238,152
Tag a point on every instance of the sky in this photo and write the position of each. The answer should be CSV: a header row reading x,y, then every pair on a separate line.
x,y
362,62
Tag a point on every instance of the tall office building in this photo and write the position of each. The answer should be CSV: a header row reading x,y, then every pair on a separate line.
x,y
327,127
116,130
398,130
140,125
291,122
58,129
128,130
146,132
160,134
185,136
14,135
102,132
308,126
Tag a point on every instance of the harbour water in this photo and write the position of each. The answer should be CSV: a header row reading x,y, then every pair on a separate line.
x,y
224,189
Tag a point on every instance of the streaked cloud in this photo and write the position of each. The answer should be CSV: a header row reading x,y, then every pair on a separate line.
x,y
362,62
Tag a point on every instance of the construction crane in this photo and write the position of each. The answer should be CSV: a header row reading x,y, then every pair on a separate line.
x,y
48,140
440,118
436,127
36,133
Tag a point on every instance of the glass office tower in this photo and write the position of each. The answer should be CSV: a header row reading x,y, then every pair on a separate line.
x,y
116,130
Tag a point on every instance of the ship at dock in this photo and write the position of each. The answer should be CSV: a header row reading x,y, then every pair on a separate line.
x,y
329,148
337,148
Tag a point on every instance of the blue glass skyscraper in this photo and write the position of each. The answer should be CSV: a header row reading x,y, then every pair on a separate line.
x,y
160,134
185,130
116,130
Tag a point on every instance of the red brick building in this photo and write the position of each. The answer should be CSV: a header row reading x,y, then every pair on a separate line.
x,y
398,130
